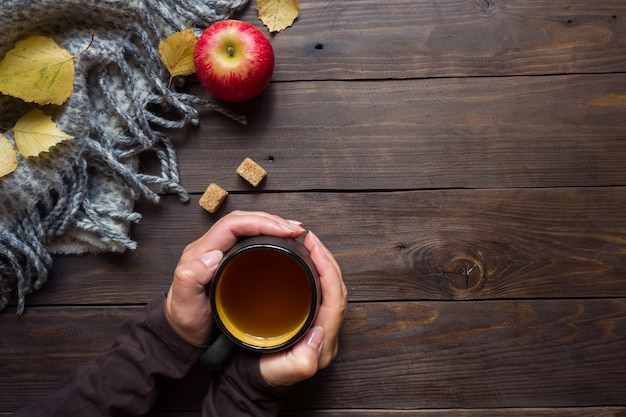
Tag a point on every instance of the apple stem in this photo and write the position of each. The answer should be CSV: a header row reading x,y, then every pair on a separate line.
x,y
231,51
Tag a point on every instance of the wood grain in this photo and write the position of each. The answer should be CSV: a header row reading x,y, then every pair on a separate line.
x,y
502,412
552,353
464,161
364,39
509,132
42,347
413,245
535,353
538,412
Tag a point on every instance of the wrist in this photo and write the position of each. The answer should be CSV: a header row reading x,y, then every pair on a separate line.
x,y
160,326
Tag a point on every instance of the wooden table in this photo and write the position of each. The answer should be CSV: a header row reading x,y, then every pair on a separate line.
x,y
466,163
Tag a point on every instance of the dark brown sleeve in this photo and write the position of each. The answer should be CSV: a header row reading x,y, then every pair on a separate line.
x,y
127,380
239,389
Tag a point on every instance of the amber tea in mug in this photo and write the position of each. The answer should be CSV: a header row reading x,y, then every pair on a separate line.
x,y
265,293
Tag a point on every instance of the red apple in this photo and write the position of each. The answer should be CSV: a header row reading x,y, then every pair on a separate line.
x,y
234,60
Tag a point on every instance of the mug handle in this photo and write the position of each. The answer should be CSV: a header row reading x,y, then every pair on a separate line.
x,y
219,352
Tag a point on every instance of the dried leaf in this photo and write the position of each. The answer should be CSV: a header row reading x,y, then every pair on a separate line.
x,y
37,70
177,52
8,156
277,14
35,133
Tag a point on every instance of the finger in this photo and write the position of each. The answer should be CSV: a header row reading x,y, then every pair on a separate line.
x,y
197,272
334,291
252,223
334,298
187,307
230,228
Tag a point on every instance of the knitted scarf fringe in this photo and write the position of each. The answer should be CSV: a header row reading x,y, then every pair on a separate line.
x,y
101,154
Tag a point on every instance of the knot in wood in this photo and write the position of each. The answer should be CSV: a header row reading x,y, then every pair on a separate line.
x,y
485,8
458,271
462,274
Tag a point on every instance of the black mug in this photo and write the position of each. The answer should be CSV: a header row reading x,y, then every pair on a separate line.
x,y
265,296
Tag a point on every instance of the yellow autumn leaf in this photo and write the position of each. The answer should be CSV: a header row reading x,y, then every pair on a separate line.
x,y
8,156
176,52
277,14
37,70
35,133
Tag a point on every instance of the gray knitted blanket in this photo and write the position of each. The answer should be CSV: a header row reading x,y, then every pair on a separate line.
x,y
80,197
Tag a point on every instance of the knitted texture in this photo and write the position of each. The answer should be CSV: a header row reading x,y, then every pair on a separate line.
x,y
80,196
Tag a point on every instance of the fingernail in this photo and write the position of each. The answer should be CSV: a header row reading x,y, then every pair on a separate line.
x,y
316,239
316,337
295,222
317,245
211,258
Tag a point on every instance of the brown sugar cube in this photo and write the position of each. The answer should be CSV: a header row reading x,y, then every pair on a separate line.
x,y
251,171
213,197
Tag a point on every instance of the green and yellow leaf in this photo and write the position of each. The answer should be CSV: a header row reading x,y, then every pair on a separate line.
x,y
8,156
35,133
277,14
37,70
176,52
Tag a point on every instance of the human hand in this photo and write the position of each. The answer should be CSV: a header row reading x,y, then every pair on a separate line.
x,y
319,346
187,306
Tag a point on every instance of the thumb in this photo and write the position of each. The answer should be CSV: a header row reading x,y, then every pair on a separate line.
x,y
297,364
187,306
309,349
211,261
315,339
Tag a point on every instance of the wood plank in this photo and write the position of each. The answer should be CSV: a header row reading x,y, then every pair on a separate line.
x,y
455,244
41,348
553,353
363,39
537,412
416,134
425,355
506,412
474,200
